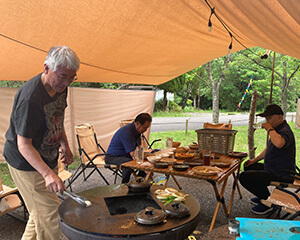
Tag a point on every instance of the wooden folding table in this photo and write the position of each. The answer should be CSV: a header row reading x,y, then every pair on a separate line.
x,y
219,178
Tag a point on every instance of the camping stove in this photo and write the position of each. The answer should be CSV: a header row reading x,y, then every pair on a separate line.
x,y
112,215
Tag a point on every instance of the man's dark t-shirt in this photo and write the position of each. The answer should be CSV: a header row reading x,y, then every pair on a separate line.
x,y
278,160
38,116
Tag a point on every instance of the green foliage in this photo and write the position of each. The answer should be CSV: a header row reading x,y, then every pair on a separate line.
x,y
12,84
5,175
173,107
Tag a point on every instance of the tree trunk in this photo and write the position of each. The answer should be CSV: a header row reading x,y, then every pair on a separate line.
x,y
215,85
251,129
165,101
188,92
215,95
195,102
198,103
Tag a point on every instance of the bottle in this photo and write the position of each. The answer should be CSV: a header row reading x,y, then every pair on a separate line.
x,y
169,142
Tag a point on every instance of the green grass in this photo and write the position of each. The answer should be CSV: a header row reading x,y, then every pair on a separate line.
x,y
241,145
5,175
187,114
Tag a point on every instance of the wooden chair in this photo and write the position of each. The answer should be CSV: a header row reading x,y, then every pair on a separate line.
x,y
10,199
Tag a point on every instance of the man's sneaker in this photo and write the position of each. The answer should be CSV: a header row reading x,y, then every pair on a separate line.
x,y
255,200
260,209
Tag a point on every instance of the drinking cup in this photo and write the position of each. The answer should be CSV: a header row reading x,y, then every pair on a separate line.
x,y
234,227
206,157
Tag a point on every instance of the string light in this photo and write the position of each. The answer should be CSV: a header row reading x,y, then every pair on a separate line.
x,y
230,45
209,20
227,28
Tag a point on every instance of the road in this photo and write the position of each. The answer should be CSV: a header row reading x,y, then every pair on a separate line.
x,y
196,122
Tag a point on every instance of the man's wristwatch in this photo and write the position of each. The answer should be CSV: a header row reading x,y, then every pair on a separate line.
x,y
271,129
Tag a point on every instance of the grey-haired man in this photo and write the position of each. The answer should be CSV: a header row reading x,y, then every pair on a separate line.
x,y
33,139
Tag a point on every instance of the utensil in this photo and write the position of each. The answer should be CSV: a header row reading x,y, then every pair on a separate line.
x,y
79,199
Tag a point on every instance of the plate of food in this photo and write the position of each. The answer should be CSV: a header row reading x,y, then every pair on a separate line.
x,y
168,160
206,170
181,150
194,146
238,154
193,162
182,156
220,163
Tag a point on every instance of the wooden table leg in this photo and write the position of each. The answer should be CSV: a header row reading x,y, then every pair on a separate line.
x,y
167,179
177,183
220,200
234,185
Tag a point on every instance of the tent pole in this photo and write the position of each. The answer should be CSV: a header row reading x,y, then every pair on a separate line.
x,y
272,79
271,90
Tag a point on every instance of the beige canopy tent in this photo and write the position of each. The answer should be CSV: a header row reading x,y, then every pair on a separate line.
x,y
104,108
138,41
134,41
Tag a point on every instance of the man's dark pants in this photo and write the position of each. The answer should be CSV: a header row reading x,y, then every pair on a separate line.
x,y
126,172
256,180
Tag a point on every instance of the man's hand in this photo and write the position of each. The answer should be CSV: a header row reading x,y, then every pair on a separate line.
x,y
54,183
249,162
266,126
66,155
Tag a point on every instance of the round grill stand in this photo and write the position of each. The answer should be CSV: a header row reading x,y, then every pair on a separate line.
x,y
112,215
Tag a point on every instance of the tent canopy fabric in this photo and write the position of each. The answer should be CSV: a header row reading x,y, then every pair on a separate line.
x,y
137,41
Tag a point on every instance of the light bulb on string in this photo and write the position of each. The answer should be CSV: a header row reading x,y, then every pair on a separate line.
x,y
230,45
209,20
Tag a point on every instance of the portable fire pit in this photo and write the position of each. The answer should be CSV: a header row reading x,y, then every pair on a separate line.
x,y
112,216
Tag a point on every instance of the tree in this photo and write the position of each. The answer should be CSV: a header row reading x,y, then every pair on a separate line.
x,y
170,86
286,71
215,78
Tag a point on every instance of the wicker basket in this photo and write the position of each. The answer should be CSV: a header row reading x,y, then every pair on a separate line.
x,y
217,140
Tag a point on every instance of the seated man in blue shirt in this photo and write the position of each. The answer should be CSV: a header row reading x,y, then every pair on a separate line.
x,y
124,142
279,155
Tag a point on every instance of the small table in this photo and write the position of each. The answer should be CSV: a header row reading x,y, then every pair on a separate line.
x,y
219,178
253,228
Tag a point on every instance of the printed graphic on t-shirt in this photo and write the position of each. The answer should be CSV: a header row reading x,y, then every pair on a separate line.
x,y
54,113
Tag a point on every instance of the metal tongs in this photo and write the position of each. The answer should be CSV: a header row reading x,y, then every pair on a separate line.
x,y
79,199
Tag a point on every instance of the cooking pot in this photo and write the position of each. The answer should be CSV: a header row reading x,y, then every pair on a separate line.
x,y
177,209
139,185
150,216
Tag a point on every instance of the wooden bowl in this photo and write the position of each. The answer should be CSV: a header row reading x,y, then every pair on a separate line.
x,y
176,144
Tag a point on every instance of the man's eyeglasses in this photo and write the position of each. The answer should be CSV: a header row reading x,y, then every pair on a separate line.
x,y
63,78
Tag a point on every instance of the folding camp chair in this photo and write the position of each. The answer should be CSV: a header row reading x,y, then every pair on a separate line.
x,y
64,174
10,199
283,200
91,154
